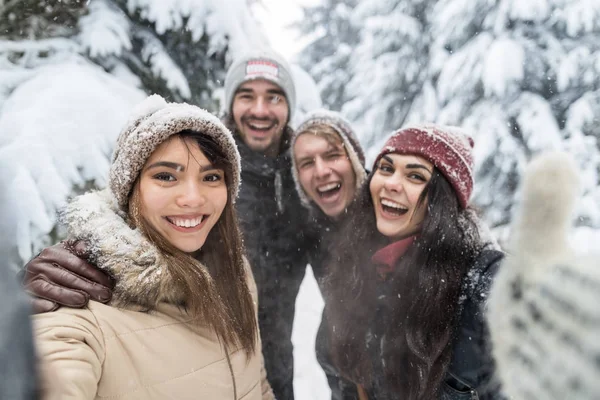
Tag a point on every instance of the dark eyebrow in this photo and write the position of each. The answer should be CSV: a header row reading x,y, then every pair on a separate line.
x,y
166,164
270,91
276,91
333,150
301,160
244,90
421,166
179,167
410,166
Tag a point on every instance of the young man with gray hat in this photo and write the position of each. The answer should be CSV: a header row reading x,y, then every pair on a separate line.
x,y
259,101
260,98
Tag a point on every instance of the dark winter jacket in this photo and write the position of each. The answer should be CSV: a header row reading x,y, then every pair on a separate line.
x,y
469,376
471,369
273,227
323,232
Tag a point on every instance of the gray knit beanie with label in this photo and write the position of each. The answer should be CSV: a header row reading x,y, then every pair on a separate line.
x,y
260,64
543,309
349,140
152,122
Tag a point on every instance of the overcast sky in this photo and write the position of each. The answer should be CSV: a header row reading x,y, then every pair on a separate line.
x,y
276,16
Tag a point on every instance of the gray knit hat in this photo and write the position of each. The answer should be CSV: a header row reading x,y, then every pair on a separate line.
x,y
260,64
349,140
543,314
152,122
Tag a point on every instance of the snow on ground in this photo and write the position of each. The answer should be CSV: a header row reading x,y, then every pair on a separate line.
x,y
309,379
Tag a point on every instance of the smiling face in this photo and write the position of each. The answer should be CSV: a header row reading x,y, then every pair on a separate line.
x,y
260,111
395,188
182,195
325,172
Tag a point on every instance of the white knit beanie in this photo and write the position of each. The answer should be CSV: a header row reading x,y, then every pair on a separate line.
x,y
543,311
152,122
260,64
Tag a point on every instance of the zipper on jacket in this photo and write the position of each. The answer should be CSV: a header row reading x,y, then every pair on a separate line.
x,y
472,392
278,191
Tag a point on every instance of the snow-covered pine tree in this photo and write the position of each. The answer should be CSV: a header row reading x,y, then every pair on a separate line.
x,y
72,69
388,64
525,77
175,49
326,58
35,19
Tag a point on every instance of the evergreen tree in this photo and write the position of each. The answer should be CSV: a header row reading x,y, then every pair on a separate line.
x,y
71,71
525,77
327,57
174,49
388,65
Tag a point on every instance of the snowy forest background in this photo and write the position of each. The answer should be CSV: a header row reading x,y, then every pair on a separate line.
x,y
522,76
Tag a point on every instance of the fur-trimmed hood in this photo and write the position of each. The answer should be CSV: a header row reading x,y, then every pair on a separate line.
x,y
140,270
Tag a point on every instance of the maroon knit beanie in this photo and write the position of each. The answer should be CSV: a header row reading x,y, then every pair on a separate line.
x,y
449,149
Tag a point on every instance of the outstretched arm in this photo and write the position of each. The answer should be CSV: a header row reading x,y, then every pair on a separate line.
x,y
70,348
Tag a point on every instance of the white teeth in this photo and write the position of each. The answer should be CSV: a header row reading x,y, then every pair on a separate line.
x,y
260,126
392,204
186,222
328,187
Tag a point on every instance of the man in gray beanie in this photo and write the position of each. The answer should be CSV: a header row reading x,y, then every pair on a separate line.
x,y
259,101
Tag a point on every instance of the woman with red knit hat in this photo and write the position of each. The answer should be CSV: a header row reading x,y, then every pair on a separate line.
x,y
411,273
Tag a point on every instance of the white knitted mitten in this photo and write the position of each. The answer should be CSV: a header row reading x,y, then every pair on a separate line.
x,y
544,306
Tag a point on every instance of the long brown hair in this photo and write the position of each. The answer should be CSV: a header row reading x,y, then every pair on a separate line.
x,y
212,282
423,316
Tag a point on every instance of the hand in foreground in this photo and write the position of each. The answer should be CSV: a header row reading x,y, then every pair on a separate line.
x,y
60,275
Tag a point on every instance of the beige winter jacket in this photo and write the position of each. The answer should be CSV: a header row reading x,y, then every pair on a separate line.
x,y
116,352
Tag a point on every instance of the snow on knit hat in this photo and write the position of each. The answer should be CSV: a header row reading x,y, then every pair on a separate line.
x,y
543,312
349,140
260,64
152,122
448,148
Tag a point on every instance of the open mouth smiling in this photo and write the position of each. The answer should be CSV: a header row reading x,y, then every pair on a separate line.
x,y
186,223
393,208
329,190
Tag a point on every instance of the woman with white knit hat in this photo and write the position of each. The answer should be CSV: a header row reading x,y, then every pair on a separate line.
x,y
409,274
182,319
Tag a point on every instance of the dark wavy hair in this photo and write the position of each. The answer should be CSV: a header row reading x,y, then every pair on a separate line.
x,y
421,320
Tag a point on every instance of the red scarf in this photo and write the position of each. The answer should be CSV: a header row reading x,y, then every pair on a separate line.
x,y
387,257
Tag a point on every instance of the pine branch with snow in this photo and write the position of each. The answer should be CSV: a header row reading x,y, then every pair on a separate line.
x,y
72,70
327,57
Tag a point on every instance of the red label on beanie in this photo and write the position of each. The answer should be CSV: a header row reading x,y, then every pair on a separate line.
x,y
262,68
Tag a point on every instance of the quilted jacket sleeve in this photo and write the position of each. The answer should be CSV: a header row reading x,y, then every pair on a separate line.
x,y
70,349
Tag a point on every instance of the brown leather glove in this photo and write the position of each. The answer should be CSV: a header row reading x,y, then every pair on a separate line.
x,y
60,275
